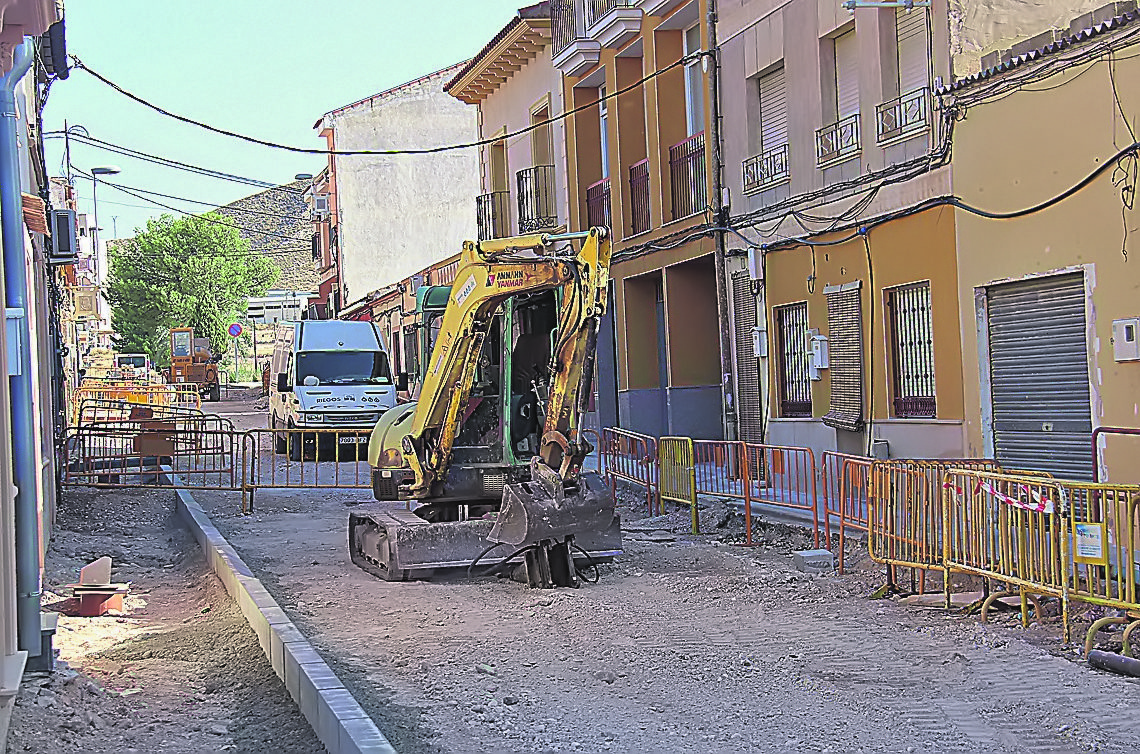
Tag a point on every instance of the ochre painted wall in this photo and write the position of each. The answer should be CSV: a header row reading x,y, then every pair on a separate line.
x,y
906,250
1015,152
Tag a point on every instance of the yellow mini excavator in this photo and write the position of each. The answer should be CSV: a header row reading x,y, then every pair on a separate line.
x,y
487,460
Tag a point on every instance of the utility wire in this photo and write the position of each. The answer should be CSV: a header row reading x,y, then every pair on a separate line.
x,y
91,141
219,207
80,65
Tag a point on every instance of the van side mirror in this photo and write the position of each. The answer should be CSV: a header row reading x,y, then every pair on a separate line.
x,y
283,385
402,382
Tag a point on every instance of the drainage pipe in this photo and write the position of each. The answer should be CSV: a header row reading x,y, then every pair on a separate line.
x,y
1114,662
16,300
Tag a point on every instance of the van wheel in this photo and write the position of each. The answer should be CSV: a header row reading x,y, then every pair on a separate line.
x,y
296,447
280,442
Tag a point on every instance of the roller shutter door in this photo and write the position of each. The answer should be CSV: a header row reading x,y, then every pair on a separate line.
x,y
748,407
1039,376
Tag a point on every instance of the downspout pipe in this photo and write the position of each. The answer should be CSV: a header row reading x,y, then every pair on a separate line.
x,y
16,300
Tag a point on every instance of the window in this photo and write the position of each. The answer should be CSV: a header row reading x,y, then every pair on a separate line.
x,y
840,138
770,165
794,381
845,348
913,54
912,350
694,94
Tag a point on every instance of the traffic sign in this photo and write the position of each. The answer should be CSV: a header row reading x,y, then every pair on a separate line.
x,y
236,329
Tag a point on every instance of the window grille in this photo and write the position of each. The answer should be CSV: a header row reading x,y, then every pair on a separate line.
x,y
912,350
795,383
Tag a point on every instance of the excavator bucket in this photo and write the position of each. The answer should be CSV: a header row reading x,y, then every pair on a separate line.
x,y
397,545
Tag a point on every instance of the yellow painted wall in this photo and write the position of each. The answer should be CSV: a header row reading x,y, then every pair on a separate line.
x,y
1017,151
906,250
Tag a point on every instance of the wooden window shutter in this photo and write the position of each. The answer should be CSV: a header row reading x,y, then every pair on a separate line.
x,y
845,344
846,76
773,111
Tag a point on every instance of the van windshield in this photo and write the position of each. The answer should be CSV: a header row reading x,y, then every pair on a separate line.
x,y
344,367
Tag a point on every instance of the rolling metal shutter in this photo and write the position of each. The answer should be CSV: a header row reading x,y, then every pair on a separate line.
x,y
846,76
773,111
845,344
748,407
1039,376
914,56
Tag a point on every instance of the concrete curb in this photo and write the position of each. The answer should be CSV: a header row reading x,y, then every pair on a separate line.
x,y
334,714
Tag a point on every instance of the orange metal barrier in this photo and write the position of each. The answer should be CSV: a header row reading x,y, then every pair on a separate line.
x,y
140,394
783,477
1008,528
846,497
631,457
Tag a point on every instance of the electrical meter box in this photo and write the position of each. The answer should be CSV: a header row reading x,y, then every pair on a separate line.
x,y
1126,339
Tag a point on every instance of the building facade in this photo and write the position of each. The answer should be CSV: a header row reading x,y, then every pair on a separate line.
x,y
1049,298
383,217
843,294
637,98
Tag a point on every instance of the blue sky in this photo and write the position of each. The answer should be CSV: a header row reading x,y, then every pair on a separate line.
x,y
265,68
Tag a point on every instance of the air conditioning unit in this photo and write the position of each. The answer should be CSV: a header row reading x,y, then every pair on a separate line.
x,y
320,206
64,246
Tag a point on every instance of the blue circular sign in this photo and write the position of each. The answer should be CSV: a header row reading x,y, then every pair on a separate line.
x,y
236,329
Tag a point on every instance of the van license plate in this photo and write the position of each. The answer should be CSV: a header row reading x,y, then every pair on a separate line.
x,y
354,440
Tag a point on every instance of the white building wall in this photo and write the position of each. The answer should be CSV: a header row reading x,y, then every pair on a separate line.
x,y
401,213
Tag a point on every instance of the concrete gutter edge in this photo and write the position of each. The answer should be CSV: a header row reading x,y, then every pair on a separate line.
x,y
339,721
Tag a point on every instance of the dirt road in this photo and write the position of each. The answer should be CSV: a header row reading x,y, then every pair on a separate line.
x,y
179,670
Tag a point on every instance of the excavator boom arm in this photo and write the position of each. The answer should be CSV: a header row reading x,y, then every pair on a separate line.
x,y
489,273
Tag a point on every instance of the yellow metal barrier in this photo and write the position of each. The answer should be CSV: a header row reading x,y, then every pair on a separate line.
x,y
678,474
1012,529
1104,521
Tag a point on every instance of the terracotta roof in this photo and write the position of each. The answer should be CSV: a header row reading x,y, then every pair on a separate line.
x,y
35,215
1037,48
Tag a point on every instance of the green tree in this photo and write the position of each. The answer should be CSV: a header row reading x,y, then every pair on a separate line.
x,y
182,272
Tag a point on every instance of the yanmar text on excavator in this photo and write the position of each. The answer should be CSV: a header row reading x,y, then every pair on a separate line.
x,y
487,460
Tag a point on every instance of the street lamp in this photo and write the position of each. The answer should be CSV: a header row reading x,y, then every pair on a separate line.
x,y
100,253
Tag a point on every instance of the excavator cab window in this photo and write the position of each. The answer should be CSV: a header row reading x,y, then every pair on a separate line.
x,y
482,425
534,324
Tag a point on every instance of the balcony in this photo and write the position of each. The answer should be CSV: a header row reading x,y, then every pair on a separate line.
x,y
767,169
838,141
573,54
903,116
612,22
656,7
318,252
598,204
639,196
537,208
687,176
492,215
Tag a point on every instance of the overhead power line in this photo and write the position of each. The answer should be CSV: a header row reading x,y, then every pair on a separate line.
x,y
80,65
165,161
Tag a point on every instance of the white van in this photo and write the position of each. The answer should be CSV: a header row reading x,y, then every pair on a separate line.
x,y
328,374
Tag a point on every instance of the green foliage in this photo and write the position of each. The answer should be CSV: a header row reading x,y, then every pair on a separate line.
x,y
182,272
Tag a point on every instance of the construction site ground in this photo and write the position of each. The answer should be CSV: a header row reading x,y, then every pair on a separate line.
x,y
178,670
686,643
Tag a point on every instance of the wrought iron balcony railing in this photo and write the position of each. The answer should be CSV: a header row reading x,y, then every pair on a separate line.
x,y
537,208
687,176
639,196
565,24
766,169
598,204
838,140
595,9
492,215
902,115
